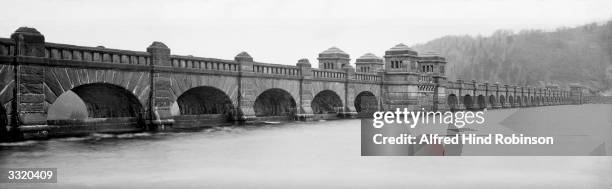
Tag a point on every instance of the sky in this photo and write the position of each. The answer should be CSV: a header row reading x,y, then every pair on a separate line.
x,y
283,31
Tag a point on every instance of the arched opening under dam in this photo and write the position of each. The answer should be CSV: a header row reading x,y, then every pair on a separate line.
x,y
276,103
452,102
97,104
468,102
366,102
106,100
203,106
539,100
327,104
482,104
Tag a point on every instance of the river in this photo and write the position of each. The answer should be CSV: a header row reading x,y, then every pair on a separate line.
x,y
320,154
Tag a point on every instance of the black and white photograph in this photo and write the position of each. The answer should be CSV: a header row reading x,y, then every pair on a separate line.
x,y
306,94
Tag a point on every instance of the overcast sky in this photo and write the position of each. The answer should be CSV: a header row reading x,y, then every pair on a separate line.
x,y
283,31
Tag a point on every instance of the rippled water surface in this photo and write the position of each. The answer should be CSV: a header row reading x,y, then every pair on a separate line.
x,y
322,154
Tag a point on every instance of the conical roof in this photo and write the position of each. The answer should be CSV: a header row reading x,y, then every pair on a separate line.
x,y
369,58
333,52
244,54
401,49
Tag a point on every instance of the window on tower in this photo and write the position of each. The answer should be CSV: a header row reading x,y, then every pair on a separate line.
x,y
395,64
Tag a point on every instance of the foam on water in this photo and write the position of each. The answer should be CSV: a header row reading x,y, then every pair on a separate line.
x,y
21,143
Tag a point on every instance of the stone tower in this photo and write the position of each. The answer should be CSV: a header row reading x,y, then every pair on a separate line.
x,y
333,59
401,58
432,67
401,79
369,63
431,63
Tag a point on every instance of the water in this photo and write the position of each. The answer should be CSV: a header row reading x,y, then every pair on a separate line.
x,y
321,154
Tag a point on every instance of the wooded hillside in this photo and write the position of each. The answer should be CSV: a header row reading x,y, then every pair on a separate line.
x,y
532,57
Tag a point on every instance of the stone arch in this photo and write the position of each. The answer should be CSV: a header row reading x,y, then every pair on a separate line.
x,y
204,100
366,101
60,80
209,103
542,100
502,100
341,91
492,100
108,100
326,101
353,91
452,102
274,102
468,102
482,104
511,100
102,100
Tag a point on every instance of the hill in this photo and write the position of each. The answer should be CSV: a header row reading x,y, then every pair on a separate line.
x,y
580,54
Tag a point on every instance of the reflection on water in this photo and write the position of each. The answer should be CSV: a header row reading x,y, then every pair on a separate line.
x,y
322,154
